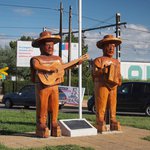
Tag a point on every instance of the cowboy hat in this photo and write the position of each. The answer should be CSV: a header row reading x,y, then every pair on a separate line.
x,y
47,37
108,39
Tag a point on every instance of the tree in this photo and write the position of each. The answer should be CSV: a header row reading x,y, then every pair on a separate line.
x,y
86,74
8,58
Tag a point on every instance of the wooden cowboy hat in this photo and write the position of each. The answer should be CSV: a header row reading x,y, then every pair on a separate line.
x,y
108,39
46,36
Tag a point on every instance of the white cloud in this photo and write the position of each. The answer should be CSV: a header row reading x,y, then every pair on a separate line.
x,y
4,40
31,34
135,46
136,42
23,11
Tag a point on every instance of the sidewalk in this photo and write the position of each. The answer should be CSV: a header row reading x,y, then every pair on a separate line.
x,y
129,139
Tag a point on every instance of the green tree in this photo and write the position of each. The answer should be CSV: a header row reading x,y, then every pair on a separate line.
x,y
86,74
3,56
8,58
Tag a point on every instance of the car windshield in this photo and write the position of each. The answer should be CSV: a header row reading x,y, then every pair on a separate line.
x,y
126,89
27,89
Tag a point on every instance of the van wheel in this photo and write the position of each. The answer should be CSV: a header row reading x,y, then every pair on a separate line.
x,y
94,109
8,103
61,106
147,110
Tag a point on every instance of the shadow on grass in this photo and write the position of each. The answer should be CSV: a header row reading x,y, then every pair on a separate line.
x,y
18,123
14,133
6,129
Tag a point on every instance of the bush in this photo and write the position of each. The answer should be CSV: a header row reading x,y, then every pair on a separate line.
x,y
13,86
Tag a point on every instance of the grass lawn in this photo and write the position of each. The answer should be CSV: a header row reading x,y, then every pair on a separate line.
x,y
20,121
59,147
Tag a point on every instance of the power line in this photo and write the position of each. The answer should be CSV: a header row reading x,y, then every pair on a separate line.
x,y
93,19
34,7
96,28
133,41
136,41
137,30
19,27
48,8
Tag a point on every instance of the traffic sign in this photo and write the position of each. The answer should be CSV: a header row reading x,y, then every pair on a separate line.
x,y
3,71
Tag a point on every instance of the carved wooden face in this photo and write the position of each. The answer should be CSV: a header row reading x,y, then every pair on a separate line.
x,y
47,48
108,49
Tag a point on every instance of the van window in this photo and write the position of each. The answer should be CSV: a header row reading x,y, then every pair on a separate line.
x,y
126,89
27,89
138,89
147,89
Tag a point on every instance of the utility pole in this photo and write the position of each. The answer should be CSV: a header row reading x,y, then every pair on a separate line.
x,y
60,30
44,29
107,114
118,33
69,45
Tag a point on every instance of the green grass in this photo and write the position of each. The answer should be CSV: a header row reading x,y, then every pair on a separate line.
x,y
13,122
21,121
135,121
147,138
86,97
59,147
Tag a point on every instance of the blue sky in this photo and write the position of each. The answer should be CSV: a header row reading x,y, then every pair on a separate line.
x,y
37,14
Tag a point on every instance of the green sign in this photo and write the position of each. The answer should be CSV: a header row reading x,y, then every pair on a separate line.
x,y
136,72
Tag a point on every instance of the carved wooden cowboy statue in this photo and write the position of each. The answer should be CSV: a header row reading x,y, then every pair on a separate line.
x,y
47,72
47,99
106,76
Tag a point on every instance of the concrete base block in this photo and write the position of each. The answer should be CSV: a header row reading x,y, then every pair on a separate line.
x,y
77,127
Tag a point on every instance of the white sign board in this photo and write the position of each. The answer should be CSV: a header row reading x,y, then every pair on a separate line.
x,y
25,51
135,70
74,51
72,94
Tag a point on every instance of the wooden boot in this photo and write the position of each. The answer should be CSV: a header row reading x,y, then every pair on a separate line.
x,y
101,126
42,132
115,126
56,131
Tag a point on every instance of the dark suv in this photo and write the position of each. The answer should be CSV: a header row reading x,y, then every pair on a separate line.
x,y
131,97
26,97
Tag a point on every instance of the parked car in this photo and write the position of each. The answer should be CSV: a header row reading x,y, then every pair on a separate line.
x,y
26,97
131,97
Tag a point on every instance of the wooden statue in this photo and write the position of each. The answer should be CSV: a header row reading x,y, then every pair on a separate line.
x,y
106,76
47,72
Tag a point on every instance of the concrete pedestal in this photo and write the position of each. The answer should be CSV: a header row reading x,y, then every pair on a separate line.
x,y
77,127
